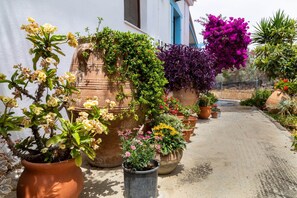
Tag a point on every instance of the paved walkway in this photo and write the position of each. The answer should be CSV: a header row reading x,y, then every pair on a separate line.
x,y
242,154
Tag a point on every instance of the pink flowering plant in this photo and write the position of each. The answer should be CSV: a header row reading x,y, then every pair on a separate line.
x,y
50,137
138,152
227,40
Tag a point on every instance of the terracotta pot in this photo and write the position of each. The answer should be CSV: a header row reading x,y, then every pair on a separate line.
x,y
187,134
214,114
44,180
169,162
190,121
93,81
274,99
181,117
205,112
186,97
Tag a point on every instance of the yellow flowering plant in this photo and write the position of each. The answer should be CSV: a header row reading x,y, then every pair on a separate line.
x,y
167,139
53,138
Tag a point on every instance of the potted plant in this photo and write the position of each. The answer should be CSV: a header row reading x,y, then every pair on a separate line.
x,y
168,140
215,111
122,67
204,105
188,70
140,168
55,145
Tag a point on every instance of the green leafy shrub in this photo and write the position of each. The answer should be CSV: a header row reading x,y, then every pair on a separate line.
x,y
258,98
139,65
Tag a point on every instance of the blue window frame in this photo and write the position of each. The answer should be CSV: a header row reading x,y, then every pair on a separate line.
x,y
176,17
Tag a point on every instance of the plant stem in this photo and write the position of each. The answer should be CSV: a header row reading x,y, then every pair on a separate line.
x,y
23,91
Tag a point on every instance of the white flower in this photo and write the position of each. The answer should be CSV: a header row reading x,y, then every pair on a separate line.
x,y
70,77
90,103
48,28
52,102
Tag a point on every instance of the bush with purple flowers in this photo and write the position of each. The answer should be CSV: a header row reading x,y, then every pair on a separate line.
x,y
187,68
227,39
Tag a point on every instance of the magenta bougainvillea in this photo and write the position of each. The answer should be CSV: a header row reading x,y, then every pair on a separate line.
x,y
227,39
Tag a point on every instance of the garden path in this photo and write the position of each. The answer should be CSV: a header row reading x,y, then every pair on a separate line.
x,y
242,154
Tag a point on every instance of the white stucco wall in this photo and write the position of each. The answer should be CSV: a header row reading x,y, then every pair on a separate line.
x,y
155,20
74,16
67,15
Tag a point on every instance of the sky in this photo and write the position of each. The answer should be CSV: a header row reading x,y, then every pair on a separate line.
x,y
251,10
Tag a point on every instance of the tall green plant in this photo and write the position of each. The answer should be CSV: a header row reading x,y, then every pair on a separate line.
x,y
276,53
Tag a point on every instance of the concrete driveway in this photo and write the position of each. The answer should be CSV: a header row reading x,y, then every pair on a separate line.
x,y
241,154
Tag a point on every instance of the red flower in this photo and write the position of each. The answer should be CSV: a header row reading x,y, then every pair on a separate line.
x,y
161,107
286,88
285,80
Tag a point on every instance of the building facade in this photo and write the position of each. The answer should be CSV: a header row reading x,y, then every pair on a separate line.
x,y
167,21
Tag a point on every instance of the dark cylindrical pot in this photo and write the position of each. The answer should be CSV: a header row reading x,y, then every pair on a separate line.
x,y
141,183
43,180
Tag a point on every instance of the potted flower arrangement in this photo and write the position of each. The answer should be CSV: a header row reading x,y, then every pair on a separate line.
x,y
55,145
168,140
140,168
204,104
173,106
215,111
284,90
188,70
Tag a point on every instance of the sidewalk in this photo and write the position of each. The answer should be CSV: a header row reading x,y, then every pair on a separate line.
x,y
241,154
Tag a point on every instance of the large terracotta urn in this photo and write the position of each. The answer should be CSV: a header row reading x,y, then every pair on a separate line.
x,y
169,162
187,97
274,99
43,180
93,81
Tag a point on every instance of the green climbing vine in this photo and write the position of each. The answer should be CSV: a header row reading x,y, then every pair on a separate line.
x,y
139,65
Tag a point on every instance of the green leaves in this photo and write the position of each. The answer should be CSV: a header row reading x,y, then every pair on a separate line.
x,y
53,140
276,52
275,30
139,65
